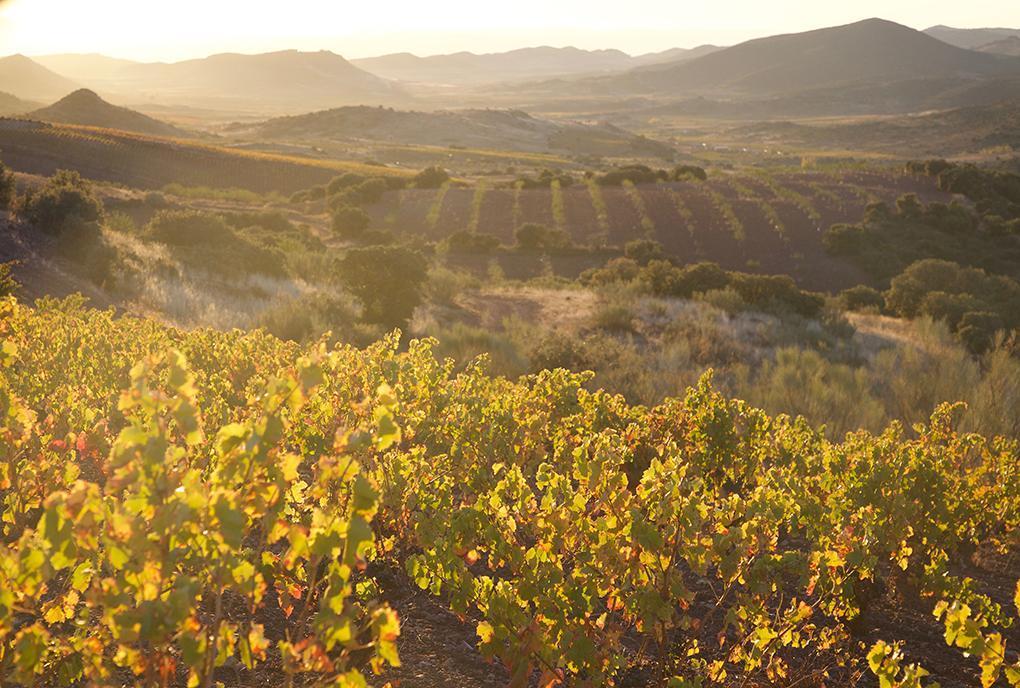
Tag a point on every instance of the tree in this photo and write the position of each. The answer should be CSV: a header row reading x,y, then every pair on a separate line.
x,y
643,250
8,187
65,197
350,222
386,279
431,178
684,172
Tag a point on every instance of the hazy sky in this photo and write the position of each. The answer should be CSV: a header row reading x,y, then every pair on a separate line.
x,y
151,30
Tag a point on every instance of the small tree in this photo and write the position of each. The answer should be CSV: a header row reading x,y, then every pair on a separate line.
x,y
387,280
350,222
535,237
431,178
66,196
643,250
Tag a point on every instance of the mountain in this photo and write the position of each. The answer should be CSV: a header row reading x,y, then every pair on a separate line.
x,y
25,78
288,81
466,68
1006,46
492,129
89,69
871,51
85,107
969,38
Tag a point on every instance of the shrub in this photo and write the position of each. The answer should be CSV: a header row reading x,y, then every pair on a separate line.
x,y
271,221
861,298
978,330
345,181
684,172
350,222
636,174
643,251
387,280
464,241
559,350
534,237
189,228
8,285
65,197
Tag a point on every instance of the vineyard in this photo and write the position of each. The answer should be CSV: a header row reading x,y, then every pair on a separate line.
x,y
151,162
192,508
775,221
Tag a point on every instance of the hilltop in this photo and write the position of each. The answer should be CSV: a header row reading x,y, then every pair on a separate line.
x,y
27,79
970,38
12,105
87,108
498,129
875,51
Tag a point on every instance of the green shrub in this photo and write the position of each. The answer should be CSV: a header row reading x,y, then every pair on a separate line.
x,y
861,298
349,222
189,228
431,178
535,237
65,197
8,188
684,172
8,285
464,241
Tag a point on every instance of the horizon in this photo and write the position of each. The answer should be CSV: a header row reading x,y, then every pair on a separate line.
x,y
26,27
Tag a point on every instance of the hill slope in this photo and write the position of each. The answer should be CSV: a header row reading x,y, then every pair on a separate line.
x,y
869,51
12,105
87,69
85,107
25,78
494,129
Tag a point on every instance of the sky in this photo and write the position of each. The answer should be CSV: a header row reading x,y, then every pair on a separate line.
x,y
164,31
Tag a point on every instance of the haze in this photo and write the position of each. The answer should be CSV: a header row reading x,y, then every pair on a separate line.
x,y
194,28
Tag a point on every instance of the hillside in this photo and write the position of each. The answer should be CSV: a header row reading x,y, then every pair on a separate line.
x,y
289,81
85,107
152,162
970,38
1006,46
27,79
88,69
871,51
495,129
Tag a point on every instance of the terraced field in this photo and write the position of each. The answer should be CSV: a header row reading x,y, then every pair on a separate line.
x,y
765,223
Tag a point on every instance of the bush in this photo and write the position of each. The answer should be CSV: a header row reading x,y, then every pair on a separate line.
x,y
861,298
559,350
189,228
978,330
643,251
535,237
387,280
636,174
8,285
350,222
685,172
465,241
431,178
271,221
64,198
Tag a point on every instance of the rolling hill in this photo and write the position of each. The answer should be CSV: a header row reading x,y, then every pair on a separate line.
x,y
88,69
871,51
494,129
24,78
86,108
970,38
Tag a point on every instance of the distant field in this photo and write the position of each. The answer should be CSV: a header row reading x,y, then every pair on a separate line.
x,y
764,223
151,162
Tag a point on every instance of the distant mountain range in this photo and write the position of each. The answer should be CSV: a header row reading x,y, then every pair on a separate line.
x,y
494,129
12,105
466,68
86,108
969,38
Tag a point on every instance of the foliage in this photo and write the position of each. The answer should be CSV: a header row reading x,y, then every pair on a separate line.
x,y
8,188
64,199
430,178
861,297
8,285
349,222
387,280
220,501
535,237
465,241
